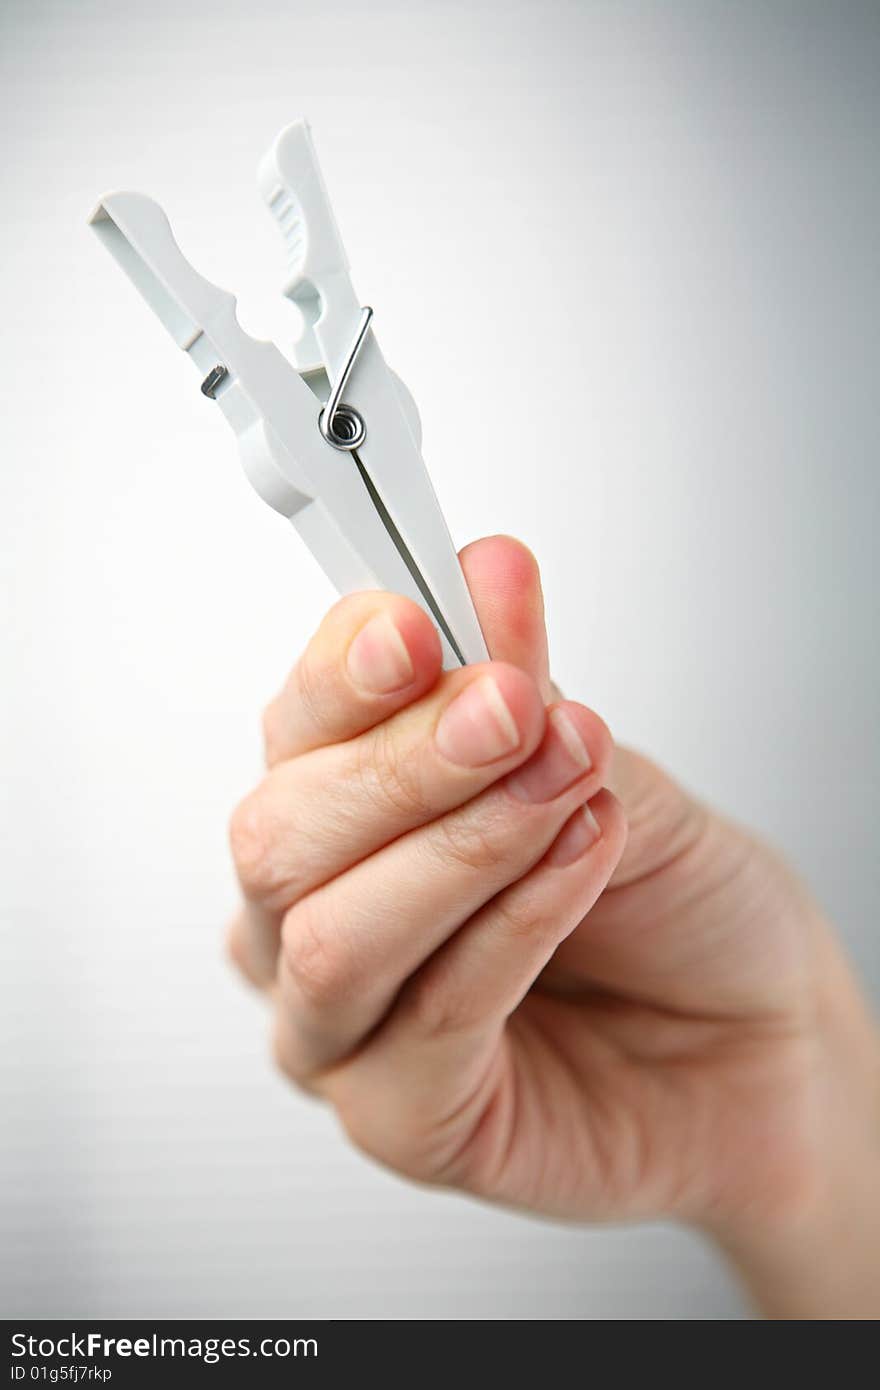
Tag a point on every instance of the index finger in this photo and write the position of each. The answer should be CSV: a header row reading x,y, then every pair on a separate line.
x,y
376,653
373,654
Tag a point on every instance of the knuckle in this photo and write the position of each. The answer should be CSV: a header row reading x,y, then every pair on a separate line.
x,y
282,1054
259,846
383,1121
270,724
315,959
521,917
475,840
309,682
433,1007
235,949
248,838
396,1148
287,1057
391,775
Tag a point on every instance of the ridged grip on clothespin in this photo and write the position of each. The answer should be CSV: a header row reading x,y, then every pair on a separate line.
x,y
318,282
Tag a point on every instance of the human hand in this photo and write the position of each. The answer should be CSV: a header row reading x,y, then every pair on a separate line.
x,y
497,991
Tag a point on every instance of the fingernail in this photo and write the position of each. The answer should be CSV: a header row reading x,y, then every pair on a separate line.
x,y
378,660
561,760
574,839
477,727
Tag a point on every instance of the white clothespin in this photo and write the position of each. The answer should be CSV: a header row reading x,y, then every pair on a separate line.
x,y
333,445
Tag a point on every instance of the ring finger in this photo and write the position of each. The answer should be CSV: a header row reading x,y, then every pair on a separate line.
x,y
349,946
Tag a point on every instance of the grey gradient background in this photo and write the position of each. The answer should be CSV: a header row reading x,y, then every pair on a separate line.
x,y
626,256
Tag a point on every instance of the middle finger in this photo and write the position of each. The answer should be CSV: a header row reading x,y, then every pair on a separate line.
x,y
317,815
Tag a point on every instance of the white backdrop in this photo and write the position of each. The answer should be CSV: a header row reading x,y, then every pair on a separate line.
x,y
625,256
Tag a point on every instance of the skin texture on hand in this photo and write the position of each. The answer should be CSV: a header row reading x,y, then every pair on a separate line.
x,y
522,963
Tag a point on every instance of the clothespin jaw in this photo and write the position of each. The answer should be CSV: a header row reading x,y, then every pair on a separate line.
x,y
317,280
367,511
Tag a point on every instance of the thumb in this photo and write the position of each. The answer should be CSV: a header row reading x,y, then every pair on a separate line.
x,y
505,584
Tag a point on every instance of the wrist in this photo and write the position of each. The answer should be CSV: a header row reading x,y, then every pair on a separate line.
x,y
825,1265
817,1254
